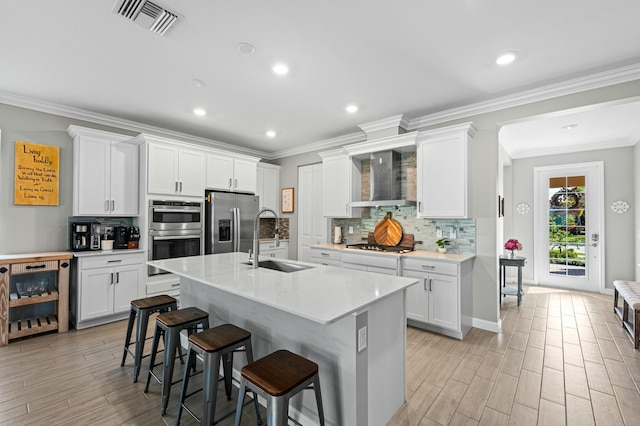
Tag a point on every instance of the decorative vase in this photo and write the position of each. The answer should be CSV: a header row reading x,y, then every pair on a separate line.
x,y
512,254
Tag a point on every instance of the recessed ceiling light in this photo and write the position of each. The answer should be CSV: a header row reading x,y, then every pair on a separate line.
x,y
569,127
271,134
280,69
352,108
245,48
506,58
197,83
199,112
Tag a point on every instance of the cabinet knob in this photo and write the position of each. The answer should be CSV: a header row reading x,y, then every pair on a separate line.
x,y
3,270
64,265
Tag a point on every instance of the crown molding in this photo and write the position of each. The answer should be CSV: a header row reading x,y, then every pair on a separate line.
x,y
107,120
569,87
386,123
326,144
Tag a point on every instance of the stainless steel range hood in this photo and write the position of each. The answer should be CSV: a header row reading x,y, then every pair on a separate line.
x,y
386,181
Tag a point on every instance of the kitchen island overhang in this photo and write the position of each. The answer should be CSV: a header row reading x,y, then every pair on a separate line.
x,y
352,323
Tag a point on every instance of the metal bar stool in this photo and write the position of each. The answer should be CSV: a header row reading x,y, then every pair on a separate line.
x,y
142,309
214,345
169,325
277,378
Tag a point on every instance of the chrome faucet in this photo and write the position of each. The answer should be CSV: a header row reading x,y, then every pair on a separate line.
x,y
256,239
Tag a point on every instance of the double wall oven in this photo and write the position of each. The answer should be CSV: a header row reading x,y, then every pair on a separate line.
x,y
175,230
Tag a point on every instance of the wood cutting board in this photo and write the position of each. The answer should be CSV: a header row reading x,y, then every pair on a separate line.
x,y
388,231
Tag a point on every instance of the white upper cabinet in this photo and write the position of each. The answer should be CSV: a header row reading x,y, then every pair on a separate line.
x,y
268,187
105,173
341,184
229,173
442,179
174,170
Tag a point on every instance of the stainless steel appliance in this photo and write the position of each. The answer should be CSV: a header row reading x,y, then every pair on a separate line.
x,y
228,222
175,230
84,236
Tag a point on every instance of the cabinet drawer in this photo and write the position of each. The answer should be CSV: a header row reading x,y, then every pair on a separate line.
x,y
162,287
111,260
426,265
327,262
326,254
31,267
374,260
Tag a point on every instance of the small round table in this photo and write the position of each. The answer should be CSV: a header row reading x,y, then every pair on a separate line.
x,y
519,262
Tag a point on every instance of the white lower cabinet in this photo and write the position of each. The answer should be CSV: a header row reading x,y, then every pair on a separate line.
x,y
375,263
441,299
104,286
326,257
269,249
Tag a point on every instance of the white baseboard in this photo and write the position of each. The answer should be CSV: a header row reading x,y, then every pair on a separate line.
x,y
487,325
608,291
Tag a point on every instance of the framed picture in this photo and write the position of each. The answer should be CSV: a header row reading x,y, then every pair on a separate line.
x,y
286,200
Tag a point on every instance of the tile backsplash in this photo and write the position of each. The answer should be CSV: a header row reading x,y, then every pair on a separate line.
x,y
268,228
460,232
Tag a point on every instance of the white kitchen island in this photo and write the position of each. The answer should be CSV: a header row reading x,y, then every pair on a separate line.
x,y
351,323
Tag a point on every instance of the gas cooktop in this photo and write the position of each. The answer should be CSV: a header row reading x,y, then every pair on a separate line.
x,y
378,247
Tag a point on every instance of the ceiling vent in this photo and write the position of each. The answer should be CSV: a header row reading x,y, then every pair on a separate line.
x,y
150,15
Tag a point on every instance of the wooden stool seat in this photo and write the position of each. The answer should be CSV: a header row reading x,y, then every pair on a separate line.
x,y
216,347
280,372
153,301
219,338
181,316
277,378
141,310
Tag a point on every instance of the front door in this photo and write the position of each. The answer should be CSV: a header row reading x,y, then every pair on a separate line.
x,y
569,226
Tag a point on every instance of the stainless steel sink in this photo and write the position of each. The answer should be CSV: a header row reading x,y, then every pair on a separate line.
x,y
281,266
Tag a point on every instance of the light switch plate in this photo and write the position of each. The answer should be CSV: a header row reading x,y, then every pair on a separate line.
x,y
362,339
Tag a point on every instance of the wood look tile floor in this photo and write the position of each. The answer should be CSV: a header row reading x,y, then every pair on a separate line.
x,y
562,358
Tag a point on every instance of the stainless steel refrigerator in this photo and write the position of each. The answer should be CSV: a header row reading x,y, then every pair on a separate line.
x,y
228,224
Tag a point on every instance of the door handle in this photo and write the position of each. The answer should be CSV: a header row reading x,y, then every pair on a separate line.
x,y
229,182
113,205
430,284
176,186
106,205
117,277
180,186
235,183
111,279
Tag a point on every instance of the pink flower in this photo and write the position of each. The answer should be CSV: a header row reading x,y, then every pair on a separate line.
x,y
513,244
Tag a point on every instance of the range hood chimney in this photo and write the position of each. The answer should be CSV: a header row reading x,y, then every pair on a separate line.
x,y
386,181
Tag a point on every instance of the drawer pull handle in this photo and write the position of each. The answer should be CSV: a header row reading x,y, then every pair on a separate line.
x,y
324,254
35,267
175,285
428,267
114,261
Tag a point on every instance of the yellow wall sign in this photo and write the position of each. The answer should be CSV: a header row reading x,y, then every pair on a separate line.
x,y
37,174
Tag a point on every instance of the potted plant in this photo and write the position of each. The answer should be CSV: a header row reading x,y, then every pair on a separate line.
x,y
442,243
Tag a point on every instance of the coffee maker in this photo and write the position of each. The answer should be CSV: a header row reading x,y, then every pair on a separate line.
x,y
121,237
84,236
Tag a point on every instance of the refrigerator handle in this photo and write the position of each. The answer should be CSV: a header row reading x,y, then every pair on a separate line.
x,y
236,229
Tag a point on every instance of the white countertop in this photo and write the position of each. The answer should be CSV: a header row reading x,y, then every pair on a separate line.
x,y
323,294
89,253
427,254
